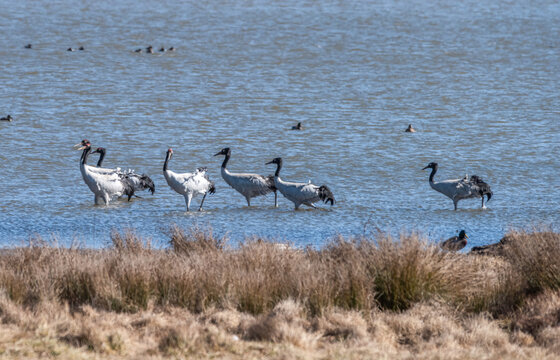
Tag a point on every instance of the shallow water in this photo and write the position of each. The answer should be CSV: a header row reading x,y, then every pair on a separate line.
x,y
480,83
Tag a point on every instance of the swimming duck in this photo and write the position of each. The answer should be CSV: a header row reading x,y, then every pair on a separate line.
x,y
28,46
410,128
297,127
150,49
7,118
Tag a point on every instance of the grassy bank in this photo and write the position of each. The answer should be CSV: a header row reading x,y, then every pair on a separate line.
x,y
354,298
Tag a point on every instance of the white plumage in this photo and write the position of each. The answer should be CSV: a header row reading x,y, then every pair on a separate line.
x,y
139,182
105,186
300,193
459,189
249,185
188,184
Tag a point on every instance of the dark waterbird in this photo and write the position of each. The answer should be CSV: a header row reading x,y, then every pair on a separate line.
x,y
455,243
297,127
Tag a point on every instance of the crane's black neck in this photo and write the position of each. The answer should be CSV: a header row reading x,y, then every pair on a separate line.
x,y
101,157
278,168
226,159
85,155
166,161
434,170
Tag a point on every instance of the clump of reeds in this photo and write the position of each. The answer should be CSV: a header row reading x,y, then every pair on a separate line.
x,y
400,295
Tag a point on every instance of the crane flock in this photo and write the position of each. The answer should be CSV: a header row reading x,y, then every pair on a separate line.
x,y
108,184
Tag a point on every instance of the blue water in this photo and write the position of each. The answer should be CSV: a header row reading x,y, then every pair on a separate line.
x,y
480,82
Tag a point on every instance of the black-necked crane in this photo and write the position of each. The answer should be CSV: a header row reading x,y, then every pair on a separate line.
x,y
249,185
459,189
140,182
105,186
300,193
188,184
455,243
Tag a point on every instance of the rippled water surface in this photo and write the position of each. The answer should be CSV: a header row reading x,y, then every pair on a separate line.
x,y
480,82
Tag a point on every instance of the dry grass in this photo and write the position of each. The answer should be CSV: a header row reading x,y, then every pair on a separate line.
x,y
354,298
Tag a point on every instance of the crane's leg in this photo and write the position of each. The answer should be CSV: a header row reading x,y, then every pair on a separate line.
x,y
276,199
483,201
202,202
188,199
297,206
311,205
106,199
455,204
248,201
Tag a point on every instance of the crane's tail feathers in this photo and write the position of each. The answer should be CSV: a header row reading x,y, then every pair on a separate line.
x,y
212,189
147,183
483,188
326,195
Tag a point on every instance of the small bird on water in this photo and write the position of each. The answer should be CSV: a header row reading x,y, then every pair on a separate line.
x,y
410,128
28,46
455,243
7,118
297,127
69,49
150,49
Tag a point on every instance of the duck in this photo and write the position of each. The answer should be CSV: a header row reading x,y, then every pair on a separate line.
x,y
297,127
410,129
455,243
7,118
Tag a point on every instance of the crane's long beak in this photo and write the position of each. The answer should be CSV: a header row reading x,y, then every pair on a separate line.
x,y
220,153
78,146
270,162
425,168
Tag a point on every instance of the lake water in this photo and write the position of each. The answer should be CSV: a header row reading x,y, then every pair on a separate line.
x,y
479,81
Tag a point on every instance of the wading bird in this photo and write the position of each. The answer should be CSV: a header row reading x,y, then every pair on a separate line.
x,y
105,186
459,189
249,185
300,193
188,184
140,182
455,243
